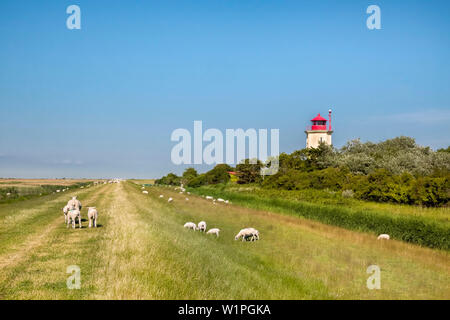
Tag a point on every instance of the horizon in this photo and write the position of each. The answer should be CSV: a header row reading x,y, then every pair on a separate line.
x,y
102,101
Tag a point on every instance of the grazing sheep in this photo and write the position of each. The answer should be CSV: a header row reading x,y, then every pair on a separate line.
x,y
170,200
65,211
145,192
8,194
214,231
220,200
202,226
72,215
188,193
226,201
187,199
92,216
383,237
209,198
248,233
161,196
190,225
58,190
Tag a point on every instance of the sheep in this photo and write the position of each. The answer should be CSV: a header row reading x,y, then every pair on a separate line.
x,y
92,216
145,192
161,196
170,200
202,226
220,200
214,231
71,216
65,211
227,202
8,194
248,233
74,203
188,193
190,225
58,190
209,198
383,237
187,199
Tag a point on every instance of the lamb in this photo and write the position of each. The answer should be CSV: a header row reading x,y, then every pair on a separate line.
x,y
92,216
170,200
220,200
161,196
71,216
145,192
202,226
209,198
383,237
214,231
190,225
65,211
248,233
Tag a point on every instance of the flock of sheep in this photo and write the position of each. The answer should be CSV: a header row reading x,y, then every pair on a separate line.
x,y
72,212
247,234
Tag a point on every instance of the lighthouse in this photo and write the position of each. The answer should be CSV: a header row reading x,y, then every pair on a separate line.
x,y
318,131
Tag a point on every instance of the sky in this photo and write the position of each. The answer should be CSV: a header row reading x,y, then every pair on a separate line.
x,y
103,101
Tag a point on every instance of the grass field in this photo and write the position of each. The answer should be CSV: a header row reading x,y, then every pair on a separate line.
x,y
141,251
424,226
22,189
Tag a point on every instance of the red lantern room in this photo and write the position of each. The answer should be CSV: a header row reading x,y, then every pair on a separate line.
x,y
319,123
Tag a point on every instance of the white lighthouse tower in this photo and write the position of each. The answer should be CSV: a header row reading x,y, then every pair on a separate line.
x,y
318,131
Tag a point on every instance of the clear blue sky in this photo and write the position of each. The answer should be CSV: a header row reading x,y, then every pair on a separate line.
x,y
103,101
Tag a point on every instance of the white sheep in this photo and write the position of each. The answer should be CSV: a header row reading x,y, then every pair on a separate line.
x,y
187,199
248,233
383,237
72,215
214,231
202,226
209,198
170,200
74,204
220,200
58,190
190,225
92,216
65,211
145,192
226,201
188,193
161,196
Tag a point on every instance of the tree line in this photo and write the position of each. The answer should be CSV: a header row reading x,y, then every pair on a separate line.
x,y
396,170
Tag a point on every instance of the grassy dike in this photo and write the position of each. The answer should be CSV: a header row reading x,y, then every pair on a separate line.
x,y
421,230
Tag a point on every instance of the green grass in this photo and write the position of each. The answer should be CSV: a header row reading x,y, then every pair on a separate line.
x,y
427,229
142,251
